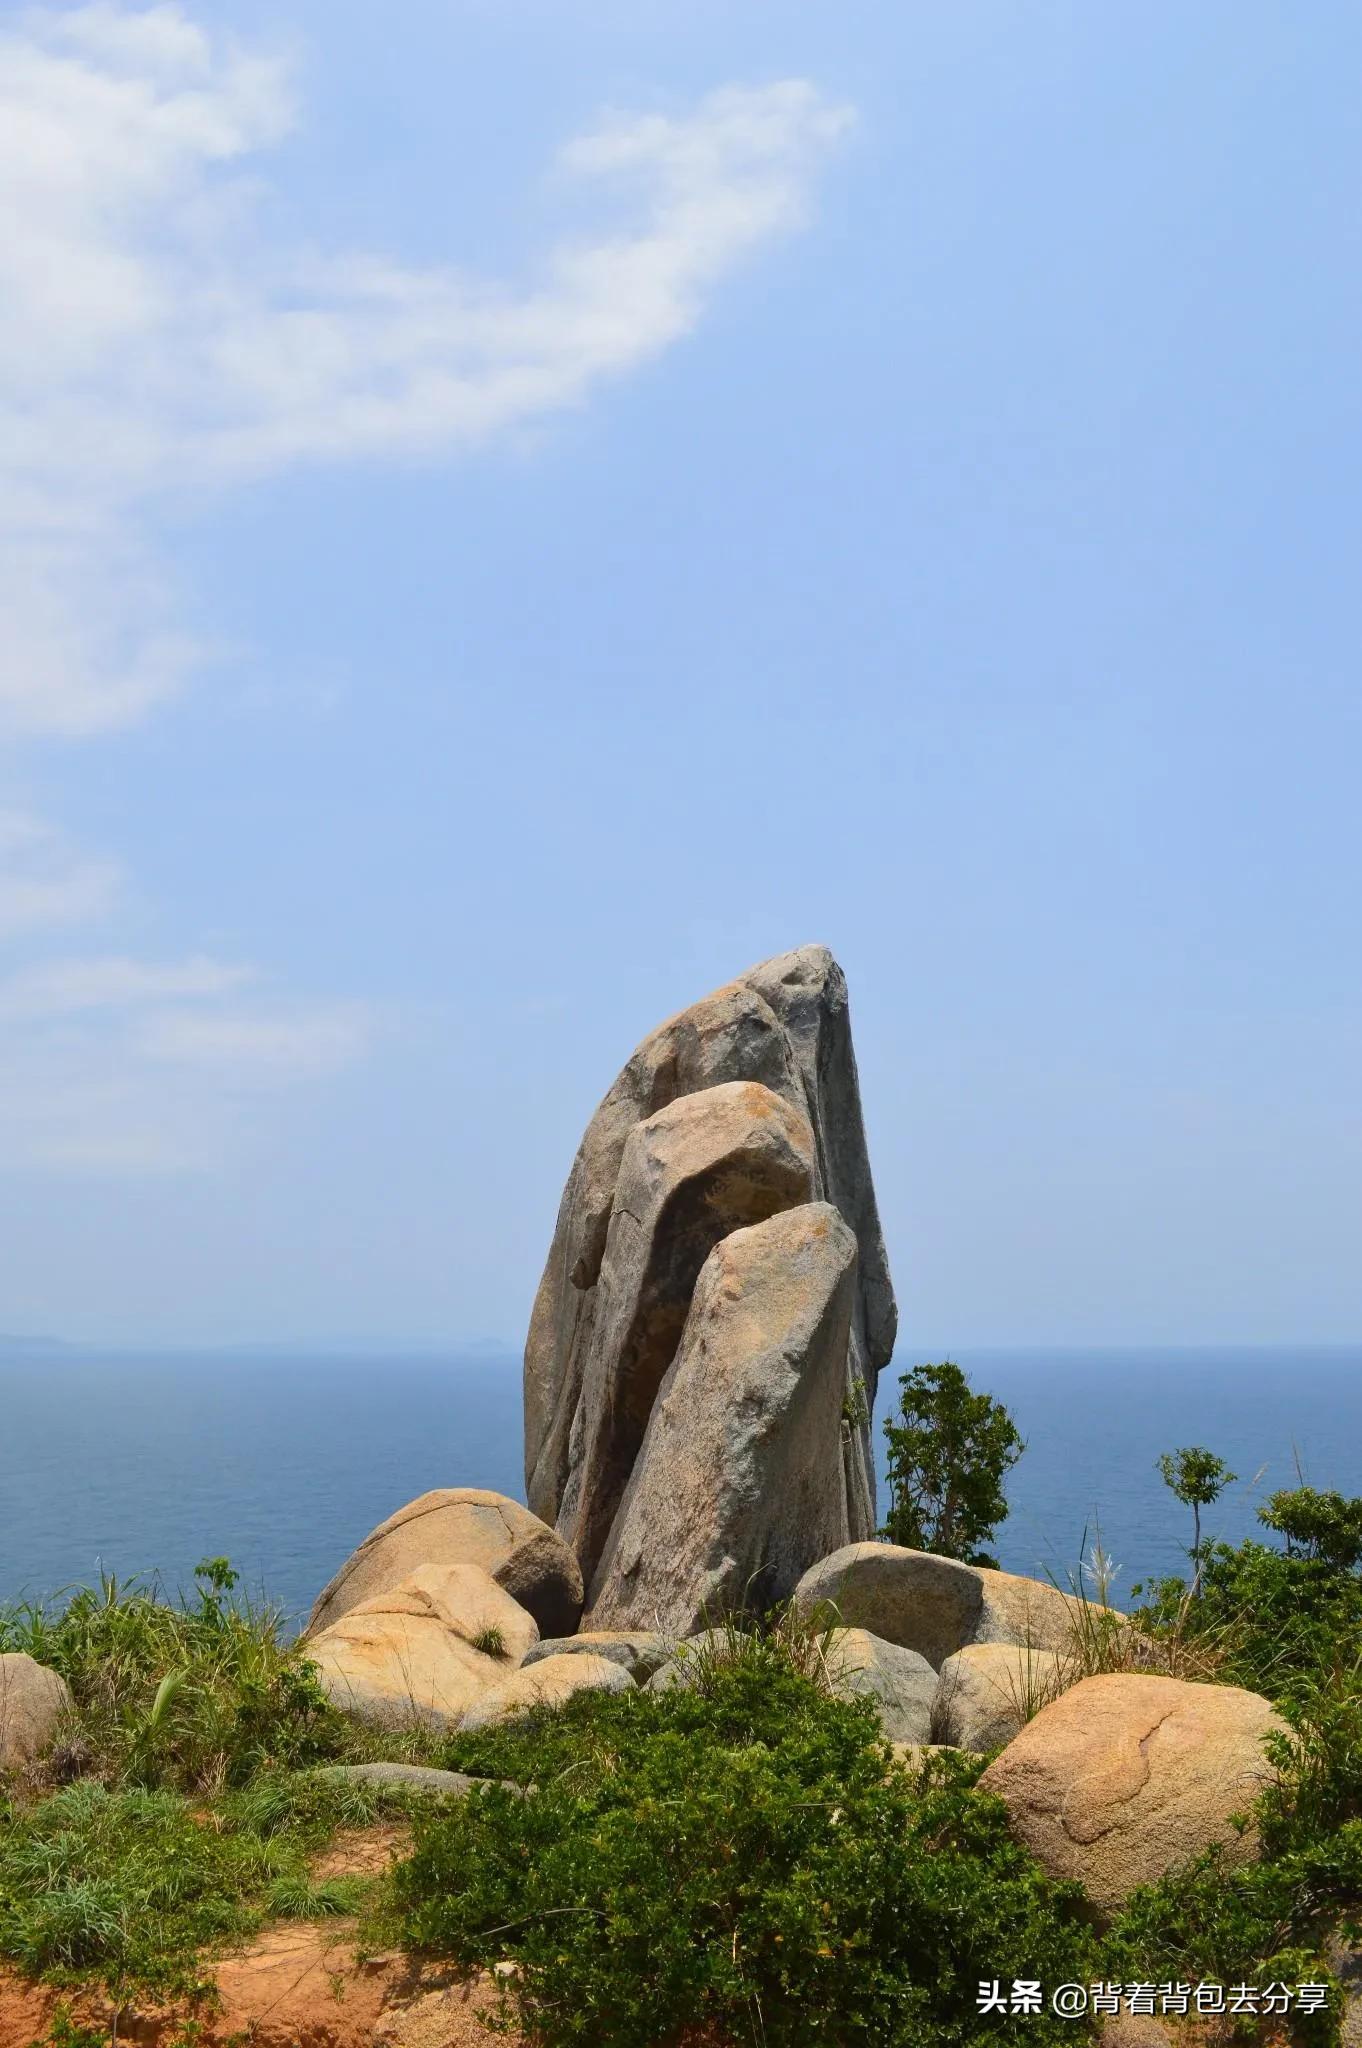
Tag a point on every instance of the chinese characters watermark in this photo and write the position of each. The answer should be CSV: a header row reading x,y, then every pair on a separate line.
x,y
1026,1995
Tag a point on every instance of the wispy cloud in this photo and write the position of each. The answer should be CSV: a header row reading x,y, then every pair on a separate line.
x,y
158,340
45,881
159,344
64,988
108,1062
305,1045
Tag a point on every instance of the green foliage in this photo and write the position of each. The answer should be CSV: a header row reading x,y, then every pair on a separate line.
x,y
121,1886
744,1856
198,1693
1288,1624
1198,1478
950,1450
1274,1618
490,1641
1261,1924
751,1679
124,1888
1323,1528
64,2032
855,1407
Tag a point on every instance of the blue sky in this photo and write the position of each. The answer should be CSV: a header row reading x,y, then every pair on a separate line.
x,y
513,510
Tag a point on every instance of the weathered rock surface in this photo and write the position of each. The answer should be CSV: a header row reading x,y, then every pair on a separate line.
x,y
463,1525
739,1483
549,1684
639,1651
900,1682
690,1174
409,1655
1127,1776
785,1026
32,1702
933,1604
989,1691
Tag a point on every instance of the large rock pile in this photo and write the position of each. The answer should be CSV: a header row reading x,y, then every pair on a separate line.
x,y
699,1373
679,1328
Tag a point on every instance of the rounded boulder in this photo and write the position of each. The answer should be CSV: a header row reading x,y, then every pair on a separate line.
x,y
462,1525
550,1684
901,1683
640,1652
936,1605
33,1700
423,1652
989,1691
1127,1776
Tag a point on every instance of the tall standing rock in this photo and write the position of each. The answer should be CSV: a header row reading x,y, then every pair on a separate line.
x,y
696,1170
739,1480
785,1026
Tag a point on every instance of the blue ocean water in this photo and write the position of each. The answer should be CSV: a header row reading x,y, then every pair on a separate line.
x,y
146,1465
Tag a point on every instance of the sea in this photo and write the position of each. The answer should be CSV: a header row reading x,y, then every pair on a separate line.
x,y
141,1466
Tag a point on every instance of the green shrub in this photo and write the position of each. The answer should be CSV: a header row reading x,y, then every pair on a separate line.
x,y
950,1450
1272,1620
746,1857
198,1693
1265,1923
1287,1624
1323,1527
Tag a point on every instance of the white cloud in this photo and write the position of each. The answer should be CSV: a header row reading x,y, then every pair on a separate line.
x,y
156,339
63,988
307,1044
158,344
109,1063
44,881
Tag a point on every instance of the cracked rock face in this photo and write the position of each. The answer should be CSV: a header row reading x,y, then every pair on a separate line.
x,y
1125,1777
742,1107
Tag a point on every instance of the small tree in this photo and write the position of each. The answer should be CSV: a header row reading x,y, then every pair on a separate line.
x,y
1321,1526
1198,1478
949,1451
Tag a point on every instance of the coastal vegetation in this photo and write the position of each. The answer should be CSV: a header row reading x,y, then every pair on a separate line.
x,y
744,1854
950,1450
681,1755
746,1858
